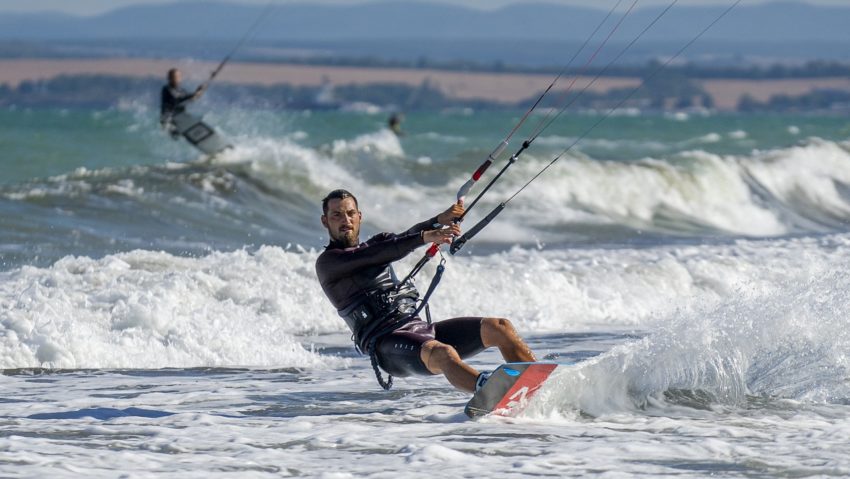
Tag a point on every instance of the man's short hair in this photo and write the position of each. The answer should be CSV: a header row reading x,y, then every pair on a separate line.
x,y
337,195
171,73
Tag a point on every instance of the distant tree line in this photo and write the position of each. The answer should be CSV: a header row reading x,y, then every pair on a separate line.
x,y
98,91
671,90
104,91
809,69
818,100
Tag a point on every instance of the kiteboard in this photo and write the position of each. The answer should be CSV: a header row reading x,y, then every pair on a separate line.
x,y
199,134
509,388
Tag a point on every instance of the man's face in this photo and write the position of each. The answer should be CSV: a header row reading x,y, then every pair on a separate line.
x,y
174,78
343,221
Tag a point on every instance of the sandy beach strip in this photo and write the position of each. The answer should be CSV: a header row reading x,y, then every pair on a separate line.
x,y
727,92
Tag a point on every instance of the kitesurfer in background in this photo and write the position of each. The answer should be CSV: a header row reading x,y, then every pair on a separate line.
x,y
394,123
359,281
174,100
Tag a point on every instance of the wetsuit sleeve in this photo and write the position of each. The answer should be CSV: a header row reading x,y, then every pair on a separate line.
x,y
181,97
426,225
337,263
172,101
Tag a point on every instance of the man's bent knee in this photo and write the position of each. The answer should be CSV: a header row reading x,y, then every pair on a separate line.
x,y
495,330
436,356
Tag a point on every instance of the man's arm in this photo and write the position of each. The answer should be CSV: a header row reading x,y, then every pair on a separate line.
x,y
336,263
182,99
445,218
426,225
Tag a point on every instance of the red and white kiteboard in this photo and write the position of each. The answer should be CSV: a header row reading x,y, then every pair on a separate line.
x,y
509,388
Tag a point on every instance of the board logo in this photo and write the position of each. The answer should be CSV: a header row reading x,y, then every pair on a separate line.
x,y
519,398
511,372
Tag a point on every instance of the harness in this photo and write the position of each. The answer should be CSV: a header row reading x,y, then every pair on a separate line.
x,y
390,304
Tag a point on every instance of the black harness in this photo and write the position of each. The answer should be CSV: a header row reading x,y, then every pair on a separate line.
x,y
387,304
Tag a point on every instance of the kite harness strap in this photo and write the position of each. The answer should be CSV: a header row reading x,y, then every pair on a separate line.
x,y
407,318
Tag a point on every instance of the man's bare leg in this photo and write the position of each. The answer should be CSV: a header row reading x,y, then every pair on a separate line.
x,y
501,333
441,358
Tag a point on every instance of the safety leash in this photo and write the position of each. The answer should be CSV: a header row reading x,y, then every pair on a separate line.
x,y
388,384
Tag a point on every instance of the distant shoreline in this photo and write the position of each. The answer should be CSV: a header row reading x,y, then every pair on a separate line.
x,y
504,88
495,87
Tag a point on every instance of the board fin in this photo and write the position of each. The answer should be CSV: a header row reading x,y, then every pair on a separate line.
x,y
509,389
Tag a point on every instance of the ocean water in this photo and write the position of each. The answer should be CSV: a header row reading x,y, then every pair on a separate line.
x,y
160,315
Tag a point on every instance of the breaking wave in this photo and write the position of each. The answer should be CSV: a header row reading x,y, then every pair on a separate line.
x,y
719,308
268,190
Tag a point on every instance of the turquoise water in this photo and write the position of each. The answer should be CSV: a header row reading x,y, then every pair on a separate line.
x,y
42,143
100,182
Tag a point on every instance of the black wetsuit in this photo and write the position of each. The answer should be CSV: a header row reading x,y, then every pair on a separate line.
x,y
349,276
173,101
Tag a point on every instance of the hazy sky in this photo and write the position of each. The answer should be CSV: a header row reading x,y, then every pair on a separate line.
x,y
89,7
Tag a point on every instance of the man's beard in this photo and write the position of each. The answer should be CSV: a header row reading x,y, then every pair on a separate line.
x,y
347,239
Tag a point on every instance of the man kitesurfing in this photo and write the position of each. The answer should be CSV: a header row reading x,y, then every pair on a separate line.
x,y
394,123
382,311
174,101
178,122
173,115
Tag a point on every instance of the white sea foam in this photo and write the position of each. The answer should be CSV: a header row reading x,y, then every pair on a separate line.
x,y
748,341
806,178
309,173
149,309
710,194
768,193
709,138
283,165
125,187
765,194
443,138
677,116
789,343
382,143
260,424
602,143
